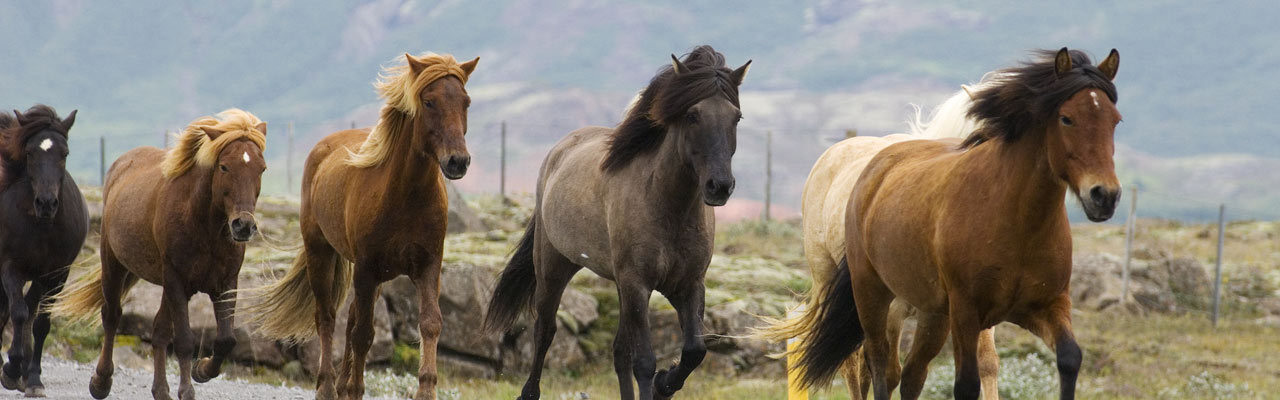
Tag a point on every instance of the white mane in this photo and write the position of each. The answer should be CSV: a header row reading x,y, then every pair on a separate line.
x,y
951,118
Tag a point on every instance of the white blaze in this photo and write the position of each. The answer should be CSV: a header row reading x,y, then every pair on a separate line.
x,y
1094,95
46,144
246,154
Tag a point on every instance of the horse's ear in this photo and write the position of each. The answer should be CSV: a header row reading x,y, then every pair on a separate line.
x,y
678,66
19,118
1110,65
469,66
414,65
211,132
69,120
1062,62
261,127
739,74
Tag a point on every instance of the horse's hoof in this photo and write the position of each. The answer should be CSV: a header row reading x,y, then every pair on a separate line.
x,y
661,389
187,393
99,387
326,392
10,383
35,391
201,373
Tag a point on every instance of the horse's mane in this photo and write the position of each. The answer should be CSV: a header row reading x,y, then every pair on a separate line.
x,y
1016,100
666,99
13,137
195,148
398,85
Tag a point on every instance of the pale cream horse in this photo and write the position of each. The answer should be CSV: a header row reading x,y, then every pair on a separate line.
x,y
826,194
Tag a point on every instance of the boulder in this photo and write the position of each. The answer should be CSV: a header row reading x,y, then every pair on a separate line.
x,y
383,343
1161,284
142,303
461,217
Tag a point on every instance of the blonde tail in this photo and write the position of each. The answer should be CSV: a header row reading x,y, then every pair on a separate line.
x,y
83,299
286,309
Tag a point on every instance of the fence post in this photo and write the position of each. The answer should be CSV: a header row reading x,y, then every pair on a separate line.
x,y
502,165
353,124
1217,267
768,174
1131,225
102,161
288,159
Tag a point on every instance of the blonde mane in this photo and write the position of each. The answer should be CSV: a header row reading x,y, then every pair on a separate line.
x,y
195,148
951,118
398,85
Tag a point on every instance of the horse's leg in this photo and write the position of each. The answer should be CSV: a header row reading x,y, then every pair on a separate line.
x,y
872,299
689,305
224,307
899,311
856,374
634,300
429,324
553,274
183,344
40,330
4,316
622,363
964,338
21,315
161,336
989,364
1053,326
322,268
931,334
359,334
114,279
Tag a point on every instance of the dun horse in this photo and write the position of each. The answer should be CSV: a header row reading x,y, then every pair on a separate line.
x,y
634,205
826,193
975,234
377,199
43,223
179,219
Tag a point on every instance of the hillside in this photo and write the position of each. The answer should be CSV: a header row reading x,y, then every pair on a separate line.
x,y
1190,84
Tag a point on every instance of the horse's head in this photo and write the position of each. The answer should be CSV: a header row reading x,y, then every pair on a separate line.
x,y
707,134
1081,142
237,180
441,120
43,155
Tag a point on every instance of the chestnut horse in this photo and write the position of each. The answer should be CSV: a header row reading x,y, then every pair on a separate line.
x,y
826,193
634,205
377,199
975,234
179,219
43,224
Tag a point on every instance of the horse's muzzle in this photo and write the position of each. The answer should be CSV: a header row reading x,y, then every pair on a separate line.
x,y
1100,203
243,228
46,207
455,167
716,192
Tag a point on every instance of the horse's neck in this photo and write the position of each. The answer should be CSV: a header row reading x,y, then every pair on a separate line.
x,y
669,180
197,186
1020,180
408,173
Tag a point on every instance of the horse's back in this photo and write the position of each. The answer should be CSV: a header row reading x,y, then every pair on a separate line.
x,y
571,199
325,178
128,207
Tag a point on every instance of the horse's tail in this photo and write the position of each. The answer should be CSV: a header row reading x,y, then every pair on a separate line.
x,y
516,285
286,309
828,331
83,298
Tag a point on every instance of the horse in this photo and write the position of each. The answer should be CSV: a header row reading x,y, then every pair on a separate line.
x,y
975,233
179,219
45,222
633,204
382,206
823,202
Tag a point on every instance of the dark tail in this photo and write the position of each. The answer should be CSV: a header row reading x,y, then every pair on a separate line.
x,y
836,333
515,288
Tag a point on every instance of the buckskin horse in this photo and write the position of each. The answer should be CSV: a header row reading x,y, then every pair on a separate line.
x,y
43,224
976,233
634,205
377,199
179,219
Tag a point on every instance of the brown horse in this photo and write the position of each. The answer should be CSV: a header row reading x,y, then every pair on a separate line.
x,y
975,234
43,223
384,207
179,219
634,205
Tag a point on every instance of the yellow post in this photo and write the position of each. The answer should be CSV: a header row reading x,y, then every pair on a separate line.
x,y
794,392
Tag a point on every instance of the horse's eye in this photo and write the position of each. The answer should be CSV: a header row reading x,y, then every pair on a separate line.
x,y
1066,121
691,117
429,104
223,167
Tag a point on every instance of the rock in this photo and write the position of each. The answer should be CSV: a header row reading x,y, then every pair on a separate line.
x,y
383,343
461,217
1160,284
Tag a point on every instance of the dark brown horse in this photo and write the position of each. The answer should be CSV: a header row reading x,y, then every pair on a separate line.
x,y
634,205
43,223
377,199
179,219
976,233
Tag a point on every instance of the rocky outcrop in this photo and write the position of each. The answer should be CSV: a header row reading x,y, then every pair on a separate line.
x,y
1157,283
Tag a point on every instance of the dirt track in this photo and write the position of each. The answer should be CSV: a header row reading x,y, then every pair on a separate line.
x,y
68,380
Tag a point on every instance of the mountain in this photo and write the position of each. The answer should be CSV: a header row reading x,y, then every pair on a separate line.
x,y
1195,81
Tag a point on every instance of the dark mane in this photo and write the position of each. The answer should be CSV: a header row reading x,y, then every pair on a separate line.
x,y
666,99
36,119
1026,97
